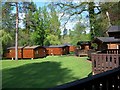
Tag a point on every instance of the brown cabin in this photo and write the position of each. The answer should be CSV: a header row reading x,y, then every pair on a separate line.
x,y
107,43
26,52
114,31
11,52
57,50
84,45
71,47
83,48
34,52
109,56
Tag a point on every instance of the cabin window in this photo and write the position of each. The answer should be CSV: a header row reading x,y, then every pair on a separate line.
x,y
20,51
36,51
9,51
44,51
119,47
64,49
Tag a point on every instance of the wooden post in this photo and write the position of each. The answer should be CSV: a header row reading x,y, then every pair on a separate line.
x,y
16,33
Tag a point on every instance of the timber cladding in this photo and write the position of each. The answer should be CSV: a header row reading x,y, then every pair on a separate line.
x,y
26,52
37,51
11,52
57,50
84,45
72,48
34,52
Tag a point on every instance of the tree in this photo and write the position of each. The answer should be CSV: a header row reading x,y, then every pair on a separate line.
x,y
8,21
79,34
37,28
28,8
53,39
113,10
72,9
53,31
5,38
8,18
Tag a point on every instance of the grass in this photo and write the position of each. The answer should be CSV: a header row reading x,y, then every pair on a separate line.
x,y
44,73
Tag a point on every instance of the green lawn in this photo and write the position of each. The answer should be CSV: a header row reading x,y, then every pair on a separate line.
x,y
43,73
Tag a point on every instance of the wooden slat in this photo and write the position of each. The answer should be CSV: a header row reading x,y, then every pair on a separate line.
x,y
104,62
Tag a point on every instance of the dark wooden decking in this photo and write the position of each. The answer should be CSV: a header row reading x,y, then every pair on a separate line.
x,y
109,80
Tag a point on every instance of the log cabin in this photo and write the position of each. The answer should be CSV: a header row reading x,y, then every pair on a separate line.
x,y
114,31
109,57
11,52
26,52
84,45
71,47
83,48
107,43
57,50
34,52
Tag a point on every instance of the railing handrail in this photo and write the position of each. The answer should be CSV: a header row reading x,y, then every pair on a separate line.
x,y
114,51
103,54
82,82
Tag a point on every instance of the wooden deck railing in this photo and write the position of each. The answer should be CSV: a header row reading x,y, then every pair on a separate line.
x,y
79,52
104,62
109,80
111,51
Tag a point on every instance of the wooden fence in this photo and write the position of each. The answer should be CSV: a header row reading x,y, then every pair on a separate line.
x,y
104,62
109,80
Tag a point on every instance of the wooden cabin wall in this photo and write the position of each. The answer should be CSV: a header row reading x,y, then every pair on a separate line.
x,y
28,53
71,48
11,53
87,47
114,34
54,51
41,52
102,46
112,46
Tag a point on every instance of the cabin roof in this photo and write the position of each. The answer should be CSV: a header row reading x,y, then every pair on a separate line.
x,y
25,47
55,46
68,44
32,47
19,47
114,29
83,42
106,40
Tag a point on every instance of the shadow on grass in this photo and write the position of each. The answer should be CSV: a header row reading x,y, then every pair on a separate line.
x,y
36,75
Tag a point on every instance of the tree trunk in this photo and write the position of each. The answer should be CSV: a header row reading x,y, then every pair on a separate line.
x,y
16,33
91,17
107,13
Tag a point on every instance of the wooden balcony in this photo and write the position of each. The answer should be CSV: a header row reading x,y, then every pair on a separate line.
x,y
111,51
106,70
109,80
80,53
104,62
